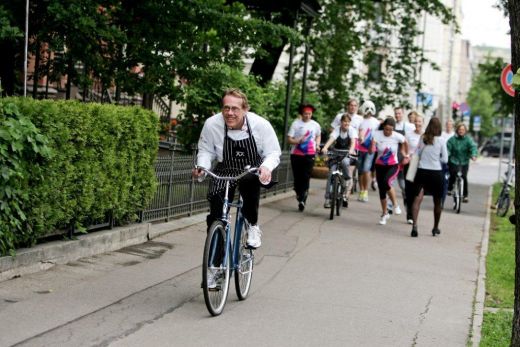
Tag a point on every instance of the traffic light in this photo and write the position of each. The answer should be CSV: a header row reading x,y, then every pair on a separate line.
x,y
455,107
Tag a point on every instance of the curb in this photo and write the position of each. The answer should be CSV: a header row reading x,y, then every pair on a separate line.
x,y
480,293
45,256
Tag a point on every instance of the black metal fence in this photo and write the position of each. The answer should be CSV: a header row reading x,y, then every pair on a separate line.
x,y
179,195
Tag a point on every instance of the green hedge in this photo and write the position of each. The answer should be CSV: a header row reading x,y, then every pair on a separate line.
x,y
100,160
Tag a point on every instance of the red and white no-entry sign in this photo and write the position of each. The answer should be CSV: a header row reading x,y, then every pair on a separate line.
x,y
506,80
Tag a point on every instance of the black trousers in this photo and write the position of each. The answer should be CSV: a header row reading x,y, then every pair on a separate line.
x,y
302,167
249,187
453,174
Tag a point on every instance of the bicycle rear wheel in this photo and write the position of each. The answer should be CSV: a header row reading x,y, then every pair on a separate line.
x,y
334,195
244,270
503,203
354,181
216,268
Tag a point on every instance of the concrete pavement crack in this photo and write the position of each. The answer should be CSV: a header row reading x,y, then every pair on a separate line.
x,y
422,317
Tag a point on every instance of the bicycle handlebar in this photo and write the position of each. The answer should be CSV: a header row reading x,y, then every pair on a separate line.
x,y
341,152
247,170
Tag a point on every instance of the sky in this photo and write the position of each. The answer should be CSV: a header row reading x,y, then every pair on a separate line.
x,y
482,24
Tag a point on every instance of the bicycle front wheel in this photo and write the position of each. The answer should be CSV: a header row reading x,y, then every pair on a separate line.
x,y
457,194
503,203
334,195
339,196
216,269
244,270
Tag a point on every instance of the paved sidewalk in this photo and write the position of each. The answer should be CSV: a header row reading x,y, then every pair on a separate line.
x,y
349,281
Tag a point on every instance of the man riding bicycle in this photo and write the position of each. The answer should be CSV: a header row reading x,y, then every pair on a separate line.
x,y
237,138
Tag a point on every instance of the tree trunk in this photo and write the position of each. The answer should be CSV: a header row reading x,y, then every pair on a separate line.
x,y
36,74
7,68
147,101
514,23
263,66
70,76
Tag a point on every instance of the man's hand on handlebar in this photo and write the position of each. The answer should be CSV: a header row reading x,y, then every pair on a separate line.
x,y
264,175
197,172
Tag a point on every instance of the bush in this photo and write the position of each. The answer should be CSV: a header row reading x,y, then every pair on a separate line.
x,y
101,163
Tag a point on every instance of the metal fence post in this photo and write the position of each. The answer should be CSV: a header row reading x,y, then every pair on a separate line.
x,y
170,185
287,168
192,183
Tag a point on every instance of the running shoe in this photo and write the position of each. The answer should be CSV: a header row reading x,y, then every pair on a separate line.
x,y
254,236
384,219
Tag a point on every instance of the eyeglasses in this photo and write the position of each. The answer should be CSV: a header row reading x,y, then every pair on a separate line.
x,y
234,109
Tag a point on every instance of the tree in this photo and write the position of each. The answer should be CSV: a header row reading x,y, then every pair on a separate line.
x,y
167,41
486,96
382,35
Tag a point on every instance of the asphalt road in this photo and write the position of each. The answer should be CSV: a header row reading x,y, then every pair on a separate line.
x,y
346,282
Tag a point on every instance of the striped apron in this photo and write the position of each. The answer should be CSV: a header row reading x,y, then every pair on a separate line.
x,y
237,154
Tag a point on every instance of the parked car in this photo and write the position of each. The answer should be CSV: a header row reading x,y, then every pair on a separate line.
x,y
492,146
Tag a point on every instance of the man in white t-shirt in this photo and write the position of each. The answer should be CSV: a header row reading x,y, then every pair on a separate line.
x,y
401,125
448,132
352,111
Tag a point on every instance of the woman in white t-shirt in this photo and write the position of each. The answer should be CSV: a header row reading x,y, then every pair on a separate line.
x,y
387,142
429,177
304,135
413,138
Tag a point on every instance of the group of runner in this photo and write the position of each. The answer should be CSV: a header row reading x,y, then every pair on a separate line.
x,y
383,146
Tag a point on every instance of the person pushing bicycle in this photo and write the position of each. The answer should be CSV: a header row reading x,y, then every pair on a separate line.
x,y
237,138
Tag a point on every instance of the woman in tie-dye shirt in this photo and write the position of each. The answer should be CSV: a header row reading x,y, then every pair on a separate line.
x,y
304,135
387,142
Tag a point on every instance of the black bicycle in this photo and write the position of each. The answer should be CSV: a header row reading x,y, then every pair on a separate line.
x,y
504,198
338,185
224,254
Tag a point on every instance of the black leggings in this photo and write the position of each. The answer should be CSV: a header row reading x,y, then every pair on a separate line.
x,y
249,188
385,175
301,167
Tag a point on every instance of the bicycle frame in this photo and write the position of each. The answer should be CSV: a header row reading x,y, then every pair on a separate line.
x,y
226,216
226,254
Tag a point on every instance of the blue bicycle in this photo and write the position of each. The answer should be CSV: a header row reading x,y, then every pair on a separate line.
x,y
224,254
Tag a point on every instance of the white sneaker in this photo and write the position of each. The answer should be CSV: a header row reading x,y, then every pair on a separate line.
x,y
365,196
397,210
410,221
212,280
384,218
254,236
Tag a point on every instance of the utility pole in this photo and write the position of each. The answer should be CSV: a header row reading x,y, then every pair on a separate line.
x,y
450,66
26,49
